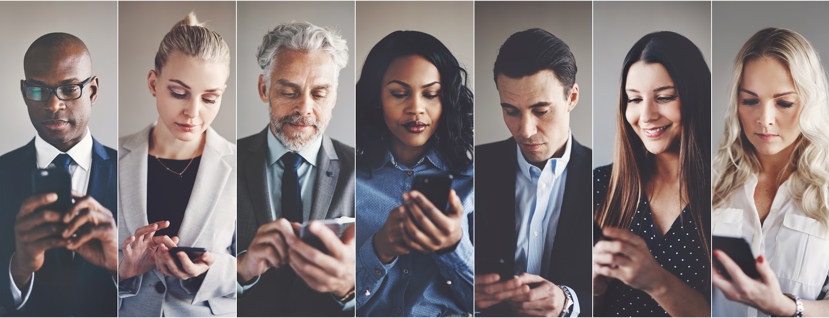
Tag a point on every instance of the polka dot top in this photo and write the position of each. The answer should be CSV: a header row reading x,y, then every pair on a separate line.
x,y
679,251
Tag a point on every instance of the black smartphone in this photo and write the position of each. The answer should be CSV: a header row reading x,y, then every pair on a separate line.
x,y
192,252
740,251
55,180
435,187
338,226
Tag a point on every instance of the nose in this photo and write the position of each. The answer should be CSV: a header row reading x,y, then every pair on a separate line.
x,y
415,106
527,127
54,104
191,109
305,105
649,111
767,112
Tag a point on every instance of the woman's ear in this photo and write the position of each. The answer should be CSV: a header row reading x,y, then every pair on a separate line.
x,y
152,78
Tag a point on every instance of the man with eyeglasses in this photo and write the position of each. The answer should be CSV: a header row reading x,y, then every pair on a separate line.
x,y
58,263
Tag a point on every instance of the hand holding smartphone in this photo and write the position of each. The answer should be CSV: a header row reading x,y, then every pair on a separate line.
x,y
192,252
54,180
337,226
739,250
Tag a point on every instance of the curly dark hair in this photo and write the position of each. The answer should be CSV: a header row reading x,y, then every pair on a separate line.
x,y
453,138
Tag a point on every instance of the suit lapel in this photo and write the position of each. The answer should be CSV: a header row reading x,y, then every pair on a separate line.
x,y
134,193
569,213
326,183
101,174
210,181
255,173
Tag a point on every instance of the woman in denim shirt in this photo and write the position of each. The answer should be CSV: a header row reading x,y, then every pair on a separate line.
x,y
414,117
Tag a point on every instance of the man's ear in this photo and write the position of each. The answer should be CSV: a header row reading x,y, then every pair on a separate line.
x,y
573,98
262,87
93,90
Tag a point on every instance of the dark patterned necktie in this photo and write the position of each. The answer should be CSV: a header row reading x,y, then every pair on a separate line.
x,y
291,199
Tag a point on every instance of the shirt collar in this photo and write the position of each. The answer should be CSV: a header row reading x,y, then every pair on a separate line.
x,y
557,164
276,149
81,153
432,158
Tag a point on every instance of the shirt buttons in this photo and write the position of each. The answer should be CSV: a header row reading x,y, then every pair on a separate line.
x,y
535,233
378,272
409,173
405,271
448,282
159,287
368,293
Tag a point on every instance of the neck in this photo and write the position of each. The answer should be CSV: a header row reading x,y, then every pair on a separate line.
x,y
165,145
776,164
666,167
406,155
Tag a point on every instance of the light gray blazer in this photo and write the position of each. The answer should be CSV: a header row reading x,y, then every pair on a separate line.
x,y
209,222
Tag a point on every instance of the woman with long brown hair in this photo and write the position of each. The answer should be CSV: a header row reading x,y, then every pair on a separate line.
x,y
653,202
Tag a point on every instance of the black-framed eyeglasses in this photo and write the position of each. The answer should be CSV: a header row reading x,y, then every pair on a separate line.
x,y
63,92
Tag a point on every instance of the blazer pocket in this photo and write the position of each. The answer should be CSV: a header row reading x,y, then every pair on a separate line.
x,y
728,222
803,251
221,306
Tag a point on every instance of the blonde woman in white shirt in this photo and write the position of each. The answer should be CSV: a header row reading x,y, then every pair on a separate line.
x,y
772,180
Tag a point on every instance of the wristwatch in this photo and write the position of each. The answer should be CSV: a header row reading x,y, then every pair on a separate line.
x,y
798,304
568,301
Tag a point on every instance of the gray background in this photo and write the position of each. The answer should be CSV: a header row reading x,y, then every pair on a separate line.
x,y
257,18
449,22
495,22
735,22
142,25
22,23
618,25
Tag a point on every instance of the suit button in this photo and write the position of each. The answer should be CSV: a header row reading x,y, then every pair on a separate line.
x,y
159,287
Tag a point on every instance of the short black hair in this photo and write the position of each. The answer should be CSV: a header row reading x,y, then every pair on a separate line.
x,y
530,51
453,139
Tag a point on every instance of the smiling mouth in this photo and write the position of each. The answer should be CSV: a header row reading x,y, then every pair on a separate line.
x,y
416,127
655,132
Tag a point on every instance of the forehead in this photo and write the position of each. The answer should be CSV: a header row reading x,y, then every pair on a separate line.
x,y
413,68
766,74
308,67
195,72
543,86
644,76
58,65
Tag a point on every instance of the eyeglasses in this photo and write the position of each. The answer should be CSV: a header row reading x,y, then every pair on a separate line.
x,y
64,92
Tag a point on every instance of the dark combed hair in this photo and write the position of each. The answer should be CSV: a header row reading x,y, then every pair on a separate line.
x,y
632,163
453,138
530,51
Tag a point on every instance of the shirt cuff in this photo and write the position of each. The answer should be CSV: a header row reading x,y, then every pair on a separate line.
x,y
242,288
370,271
17,295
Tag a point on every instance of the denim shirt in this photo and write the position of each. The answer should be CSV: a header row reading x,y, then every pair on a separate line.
x,y
414,284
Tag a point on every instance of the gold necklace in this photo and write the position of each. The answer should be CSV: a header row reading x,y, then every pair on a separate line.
x,y
179,174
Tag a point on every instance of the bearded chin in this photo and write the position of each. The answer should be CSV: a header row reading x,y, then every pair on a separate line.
x,y
294,141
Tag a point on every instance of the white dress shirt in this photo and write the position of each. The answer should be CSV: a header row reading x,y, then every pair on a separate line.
x,y
81,155
795,245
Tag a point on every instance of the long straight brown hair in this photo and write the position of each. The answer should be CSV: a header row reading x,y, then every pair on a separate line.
x,y
633,164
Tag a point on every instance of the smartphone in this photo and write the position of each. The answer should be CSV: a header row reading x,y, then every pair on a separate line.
x,y
435,187
338,226
55,180
192,252
740,251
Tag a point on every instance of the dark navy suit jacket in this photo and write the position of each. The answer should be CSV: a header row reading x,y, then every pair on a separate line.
x,y
570,262
77,288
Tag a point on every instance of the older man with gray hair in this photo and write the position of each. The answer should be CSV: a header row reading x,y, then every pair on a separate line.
x,y
290,174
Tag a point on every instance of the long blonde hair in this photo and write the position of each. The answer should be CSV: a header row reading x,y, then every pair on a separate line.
x,y
191,37
736,158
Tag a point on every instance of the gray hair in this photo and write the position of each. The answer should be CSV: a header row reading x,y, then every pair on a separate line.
x,y
301,36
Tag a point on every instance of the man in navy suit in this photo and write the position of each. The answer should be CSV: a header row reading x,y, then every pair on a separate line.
x,y
533,257
59,263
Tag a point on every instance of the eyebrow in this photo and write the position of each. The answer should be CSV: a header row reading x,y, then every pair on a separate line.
x,y
212,90
285,82
407,85
658,89
536,105
775,95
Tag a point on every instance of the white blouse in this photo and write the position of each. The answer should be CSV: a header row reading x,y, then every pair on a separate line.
x,y
795,245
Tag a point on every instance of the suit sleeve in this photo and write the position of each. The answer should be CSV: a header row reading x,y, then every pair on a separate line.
x,y
219,281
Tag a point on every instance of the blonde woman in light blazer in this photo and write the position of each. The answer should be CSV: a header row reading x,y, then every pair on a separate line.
x,y
177,187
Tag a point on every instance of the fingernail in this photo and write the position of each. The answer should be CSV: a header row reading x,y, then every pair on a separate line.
x,y
760,259
52,196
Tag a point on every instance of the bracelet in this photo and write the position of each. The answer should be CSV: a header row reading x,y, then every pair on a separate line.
x,y
568,301
348,296
798,305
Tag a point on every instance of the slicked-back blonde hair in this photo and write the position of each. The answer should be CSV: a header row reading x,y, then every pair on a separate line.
x,y
191,37
736,158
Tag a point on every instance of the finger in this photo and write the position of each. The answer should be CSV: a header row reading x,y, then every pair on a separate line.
x,y
612,272
188,267
43,231
329,239
95,232
48,243
206,258
486,279
173,268
493,289
30,221
506,294
767,276
737,276
612,260
164,241
455,205
416,240
82,218
725,285
126,245
153,227
421,220
623,235
310,271
81,204
349,236
175,240
444,223
266,252
616,247
33,202
275,242
312,256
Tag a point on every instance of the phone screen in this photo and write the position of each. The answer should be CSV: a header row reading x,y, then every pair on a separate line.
x,y
435,187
